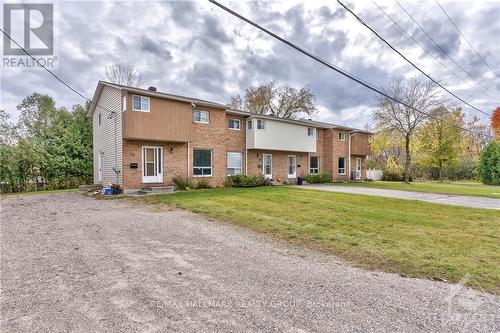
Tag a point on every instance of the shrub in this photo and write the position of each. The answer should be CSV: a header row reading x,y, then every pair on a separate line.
x,y
247,181
202,183
463,170
59,183
392,175
318,178
489,164
182,183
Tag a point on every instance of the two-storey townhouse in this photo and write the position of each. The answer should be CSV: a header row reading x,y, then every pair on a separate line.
x,y
144,138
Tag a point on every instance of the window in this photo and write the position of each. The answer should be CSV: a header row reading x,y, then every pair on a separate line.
x,y
202,163
342,136
140,103
317,134
200,116
233,124
261,124
249,124
99,119
310,131
341,166
124,103
234,163
314,164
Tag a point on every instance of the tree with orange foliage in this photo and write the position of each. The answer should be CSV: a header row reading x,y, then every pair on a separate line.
x,y
495,123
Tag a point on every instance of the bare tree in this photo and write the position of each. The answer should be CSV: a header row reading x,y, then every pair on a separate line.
x,y
419,94
280,101
125,74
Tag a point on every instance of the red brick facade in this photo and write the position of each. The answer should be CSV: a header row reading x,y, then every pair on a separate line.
x,y
216,136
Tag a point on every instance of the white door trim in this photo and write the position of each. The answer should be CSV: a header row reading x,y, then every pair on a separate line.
x,y
270,175
158,165
294,166
358,168
99,167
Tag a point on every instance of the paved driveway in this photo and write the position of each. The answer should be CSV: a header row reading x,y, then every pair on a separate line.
x,y
73,263
448,199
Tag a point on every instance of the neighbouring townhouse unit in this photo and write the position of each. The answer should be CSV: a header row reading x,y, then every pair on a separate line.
x,y
144,137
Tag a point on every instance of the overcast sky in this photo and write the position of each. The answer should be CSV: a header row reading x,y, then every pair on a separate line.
x,y
196,49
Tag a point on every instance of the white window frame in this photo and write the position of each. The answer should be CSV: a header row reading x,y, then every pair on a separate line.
x,y
234,122
262,123
310,131
141,109
311,169
341,171
240,168
249,124
200,167
99,119
201,121
341,136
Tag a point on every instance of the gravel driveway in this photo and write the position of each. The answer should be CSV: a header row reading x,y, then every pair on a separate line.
x,y
74,263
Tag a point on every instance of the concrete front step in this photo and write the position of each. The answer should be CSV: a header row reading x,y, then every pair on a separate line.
x,y
158,188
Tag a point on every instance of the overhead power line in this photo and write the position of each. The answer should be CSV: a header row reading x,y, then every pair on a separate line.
x,y
427,51
332,66
472,47
409,61
53,74
440,48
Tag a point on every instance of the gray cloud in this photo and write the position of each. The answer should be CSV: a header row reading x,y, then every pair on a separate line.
x,y
194,48
159,49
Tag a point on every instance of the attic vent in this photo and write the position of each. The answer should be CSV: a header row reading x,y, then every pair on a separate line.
x,y
152,88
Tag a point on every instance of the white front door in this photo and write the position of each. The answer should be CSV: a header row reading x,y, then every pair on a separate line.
x,y
358,168
152,164
267,165
99,167
292,166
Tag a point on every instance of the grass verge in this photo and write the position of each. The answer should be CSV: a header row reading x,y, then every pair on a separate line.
x,y
459,188
6,195
411,238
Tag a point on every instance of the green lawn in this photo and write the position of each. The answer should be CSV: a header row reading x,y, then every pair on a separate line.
x,y
411,238
474,189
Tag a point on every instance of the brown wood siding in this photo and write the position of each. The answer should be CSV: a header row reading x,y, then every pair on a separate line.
x,y
166,121
360,144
